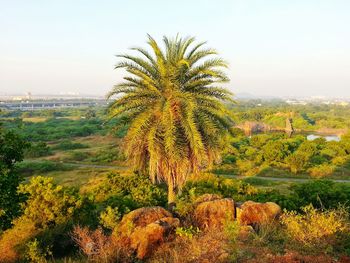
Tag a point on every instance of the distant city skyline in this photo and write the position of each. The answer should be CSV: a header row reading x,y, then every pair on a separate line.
x,y
275,48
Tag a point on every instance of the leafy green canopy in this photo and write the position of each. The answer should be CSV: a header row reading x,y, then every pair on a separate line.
x,y
11,151
174,106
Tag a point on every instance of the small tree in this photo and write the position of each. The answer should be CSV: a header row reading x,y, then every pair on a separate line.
x,y
11,152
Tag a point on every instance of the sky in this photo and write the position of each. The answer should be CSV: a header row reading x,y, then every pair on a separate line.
x,y
274,47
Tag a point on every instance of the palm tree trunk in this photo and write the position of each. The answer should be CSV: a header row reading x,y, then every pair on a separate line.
x,y
171,196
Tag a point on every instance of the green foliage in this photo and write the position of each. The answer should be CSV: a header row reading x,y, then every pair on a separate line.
x,y
48,204
34,253
12,147
28,168
77,156
107,156
69,145
128,192
187,232
255,155
321,194
212,184
58,129
39,149
110,217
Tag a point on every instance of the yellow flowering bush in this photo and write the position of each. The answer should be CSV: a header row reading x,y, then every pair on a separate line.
x,y
315,228
48,203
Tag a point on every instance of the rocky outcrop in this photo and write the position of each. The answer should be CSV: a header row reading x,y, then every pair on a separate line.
x,y
141,217
146,228
253,213
214,213
145,239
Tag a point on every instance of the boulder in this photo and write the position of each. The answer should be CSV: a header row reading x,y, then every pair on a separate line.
x,y
145,239
146,228
214,213
253,213
141,217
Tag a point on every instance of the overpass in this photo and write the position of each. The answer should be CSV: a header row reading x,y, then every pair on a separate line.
x,y
50,104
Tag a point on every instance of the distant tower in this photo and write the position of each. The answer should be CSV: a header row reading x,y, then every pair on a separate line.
x,y
29,95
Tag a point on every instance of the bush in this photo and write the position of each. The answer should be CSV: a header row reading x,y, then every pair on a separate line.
x,y
322,170
107,156
212,184
38,150
28,168
316,230
321,194
110,218
99,247
77,156
48,204
34,253
129,191
69,145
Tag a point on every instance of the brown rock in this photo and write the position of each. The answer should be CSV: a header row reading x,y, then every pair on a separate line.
x,y
141,217
252,213
145,228
145,238
214,213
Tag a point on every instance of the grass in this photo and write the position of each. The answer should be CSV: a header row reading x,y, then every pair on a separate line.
x,y
77,177
35,119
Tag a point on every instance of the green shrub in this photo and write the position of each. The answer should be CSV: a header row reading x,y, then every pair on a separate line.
x,y
212,184
77,156
321,194
187,232
48,204
34,253
39,149
110,217
130,191
69,145
28,168
107,156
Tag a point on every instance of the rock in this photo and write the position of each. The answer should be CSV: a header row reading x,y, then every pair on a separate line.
x,y
214,213
141,217
253,213
146,228
144,239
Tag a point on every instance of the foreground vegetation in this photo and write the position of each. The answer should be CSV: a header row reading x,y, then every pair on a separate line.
x,y
97,197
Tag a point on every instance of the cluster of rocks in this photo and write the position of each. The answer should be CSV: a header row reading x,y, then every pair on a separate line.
x,y
148,227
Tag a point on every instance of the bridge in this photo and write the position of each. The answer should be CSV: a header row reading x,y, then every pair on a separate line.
x,y
49,104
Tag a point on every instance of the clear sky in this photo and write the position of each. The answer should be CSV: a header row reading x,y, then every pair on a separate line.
x,y
274,47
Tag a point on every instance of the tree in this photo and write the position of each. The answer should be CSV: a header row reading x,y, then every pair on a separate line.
x,y
175,109
11,152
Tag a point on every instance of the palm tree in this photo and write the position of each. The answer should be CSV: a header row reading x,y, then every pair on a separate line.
x,y
177,118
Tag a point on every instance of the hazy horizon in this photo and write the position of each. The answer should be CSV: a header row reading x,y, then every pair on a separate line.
x,y
275,48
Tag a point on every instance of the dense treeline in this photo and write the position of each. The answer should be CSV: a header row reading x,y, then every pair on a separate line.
x,y
259,153
308,117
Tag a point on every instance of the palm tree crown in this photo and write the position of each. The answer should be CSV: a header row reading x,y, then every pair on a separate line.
x,y
175,109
